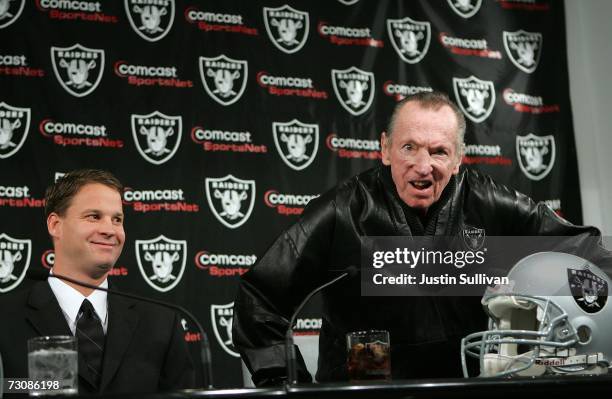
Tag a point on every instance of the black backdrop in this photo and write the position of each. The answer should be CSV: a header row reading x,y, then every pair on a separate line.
x,y
224,118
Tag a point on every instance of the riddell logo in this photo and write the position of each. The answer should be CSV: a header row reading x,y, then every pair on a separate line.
x,y
14,127
218,22
527,103
224,265
10,10
17,65
353,148
75,10
479,154
166,200
345,36
78,68
19,197
287,204
150,19
143,75
289,86
215,140
77,134
525,5
461,46
400,91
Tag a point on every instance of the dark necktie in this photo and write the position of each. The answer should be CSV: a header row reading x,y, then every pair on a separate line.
x,y
90,337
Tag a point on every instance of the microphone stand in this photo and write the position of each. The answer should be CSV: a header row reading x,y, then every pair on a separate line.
x,y
292,375
205,357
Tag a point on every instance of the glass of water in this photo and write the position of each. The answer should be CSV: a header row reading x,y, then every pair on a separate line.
x,y
53,365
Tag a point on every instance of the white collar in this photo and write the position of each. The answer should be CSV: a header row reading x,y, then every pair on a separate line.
x,y
70,300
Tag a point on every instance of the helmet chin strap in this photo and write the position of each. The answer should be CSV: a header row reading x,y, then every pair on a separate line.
x,y
559,362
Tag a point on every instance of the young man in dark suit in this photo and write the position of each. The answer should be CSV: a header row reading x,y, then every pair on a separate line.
x,y
125,346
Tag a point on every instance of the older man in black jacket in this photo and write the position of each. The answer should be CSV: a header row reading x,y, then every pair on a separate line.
x,y
419,190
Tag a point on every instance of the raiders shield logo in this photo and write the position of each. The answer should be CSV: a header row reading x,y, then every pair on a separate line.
x,y
473,238
78,68
14,261
222,317
475,97
523,49
224,79
354,89
14,127
589,290
465,8
287,27
296,142
157,136
409,38
230,199
151,19
536,155
161,261
10,10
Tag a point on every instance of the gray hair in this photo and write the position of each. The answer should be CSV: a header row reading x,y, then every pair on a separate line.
x,y
431,100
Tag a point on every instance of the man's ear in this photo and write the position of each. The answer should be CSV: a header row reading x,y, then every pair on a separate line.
x,y
54,225
384,148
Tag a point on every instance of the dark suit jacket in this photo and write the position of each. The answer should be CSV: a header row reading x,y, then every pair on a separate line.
x,y
144,352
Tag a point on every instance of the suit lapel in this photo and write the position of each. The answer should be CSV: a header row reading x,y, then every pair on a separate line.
x,y
47,318
44,312
122,323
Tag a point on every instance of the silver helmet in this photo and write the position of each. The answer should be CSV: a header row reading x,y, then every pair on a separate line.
x,y
552,318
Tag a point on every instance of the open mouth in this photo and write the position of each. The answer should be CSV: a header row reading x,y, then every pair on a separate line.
x,y
421,184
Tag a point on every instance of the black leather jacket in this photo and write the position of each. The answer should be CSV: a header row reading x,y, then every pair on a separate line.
x,y
425,331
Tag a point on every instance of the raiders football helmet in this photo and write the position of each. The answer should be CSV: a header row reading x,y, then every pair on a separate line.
x,y
552,318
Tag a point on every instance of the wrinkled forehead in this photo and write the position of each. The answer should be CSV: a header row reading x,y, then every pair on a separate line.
x,y
415,117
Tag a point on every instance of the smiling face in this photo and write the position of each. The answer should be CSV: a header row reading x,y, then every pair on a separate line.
x,y
89,236
422,152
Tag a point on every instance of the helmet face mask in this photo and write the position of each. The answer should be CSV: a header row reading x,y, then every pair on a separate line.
x,y
532,332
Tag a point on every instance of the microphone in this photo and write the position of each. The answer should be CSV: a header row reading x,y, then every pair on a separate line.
x,y
205,358
290,354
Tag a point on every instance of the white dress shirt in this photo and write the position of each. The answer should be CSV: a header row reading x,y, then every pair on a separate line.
x,y
70,301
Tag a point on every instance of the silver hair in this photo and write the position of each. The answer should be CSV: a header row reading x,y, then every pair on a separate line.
x,y
429,100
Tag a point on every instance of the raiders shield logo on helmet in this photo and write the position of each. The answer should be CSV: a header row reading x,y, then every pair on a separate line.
x,y
230,199
14,128
224,78
409,38
589,290
14,261
222,317
296,142
523,49
10,10
354,89
475,97
536,155
473,237
287,27
78,68
157,136
151,19
161,261
465,8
